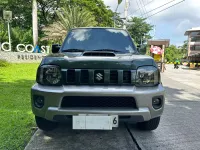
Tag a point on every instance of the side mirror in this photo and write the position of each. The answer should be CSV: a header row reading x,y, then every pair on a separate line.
x,y
55,48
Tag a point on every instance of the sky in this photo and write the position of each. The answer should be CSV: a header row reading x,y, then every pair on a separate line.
x,y
169,24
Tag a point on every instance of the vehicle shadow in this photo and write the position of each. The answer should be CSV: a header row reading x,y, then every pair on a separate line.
x,y
65,138
175,94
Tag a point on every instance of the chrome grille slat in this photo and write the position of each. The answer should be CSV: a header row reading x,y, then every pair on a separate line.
x,y
91,76
78,76
120,77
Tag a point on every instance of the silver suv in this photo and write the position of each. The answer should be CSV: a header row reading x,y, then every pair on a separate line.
x,y
97,78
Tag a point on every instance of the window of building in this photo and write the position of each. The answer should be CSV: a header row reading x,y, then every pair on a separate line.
x,y
195,39
195,33
195,47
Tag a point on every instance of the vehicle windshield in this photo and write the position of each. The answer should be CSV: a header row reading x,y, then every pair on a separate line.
x,y
116,40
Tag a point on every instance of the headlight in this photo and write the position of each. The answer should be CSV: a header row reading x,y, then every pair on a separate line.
x,y
147,76
49,75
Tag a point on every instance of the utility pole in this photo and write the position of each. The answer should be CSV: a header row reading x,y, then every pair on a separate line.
x,y
114,18
126,12
35,23
154,31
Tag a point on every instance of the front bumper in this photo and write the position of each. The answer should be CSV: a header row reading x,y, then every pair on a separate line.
x,y
53,97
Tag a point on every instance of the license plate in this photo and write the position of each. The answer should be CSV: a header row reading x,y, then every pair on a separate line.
x,y
95,122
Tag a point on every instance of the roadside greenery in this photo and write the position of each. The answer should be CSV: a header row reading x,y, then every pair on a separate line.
x,y
15,109
68,18
172,52
139,29
84,13
55,18
4,63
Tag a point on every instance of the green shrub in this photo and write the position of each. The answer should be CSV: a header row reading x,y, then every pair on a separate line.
x,y
4,63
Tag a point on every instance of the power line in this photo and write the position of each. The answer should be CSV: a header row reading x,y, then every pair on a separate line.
x,y
145,10
139,8
159,7
142,8
165,9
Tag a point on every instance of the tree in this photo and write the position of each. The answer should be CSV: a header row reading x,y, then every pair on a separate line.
x,y
118,21
21,10
172,53
184,48
68,18
139,29
3,32
103,15
46,10
20,36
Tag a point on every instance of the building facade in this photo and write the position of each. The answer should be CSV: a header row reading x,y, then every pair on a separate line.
x,y
193,44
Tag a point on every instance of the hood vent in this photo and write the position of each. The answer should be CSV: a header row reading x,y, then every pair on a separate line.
x,y
106,54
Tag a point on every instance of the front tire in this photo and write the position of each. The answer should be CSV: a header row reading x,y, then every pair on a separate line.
x,y
149,125
44,124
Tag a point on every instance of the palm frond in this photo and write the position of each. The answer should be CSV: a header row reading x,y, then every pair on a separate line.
x,y
69,17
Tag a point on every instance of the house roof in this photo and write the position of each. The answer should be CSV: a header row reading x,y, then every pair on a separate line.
x,y
165,42
191,30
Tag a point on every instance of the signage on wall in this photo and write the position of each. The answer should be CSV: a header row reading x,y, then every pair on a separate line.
x,y
25,48
156,50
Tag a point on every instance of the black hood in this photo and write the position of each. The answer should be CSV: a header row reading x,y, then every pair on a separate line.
x,y
78,61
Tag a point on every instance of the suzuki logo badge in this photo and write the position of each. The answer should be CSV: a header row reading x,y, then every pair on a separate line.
x,y
99,76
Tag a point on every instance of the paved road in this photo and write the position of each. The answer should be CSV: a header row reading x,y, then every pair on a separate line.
x,y
179,127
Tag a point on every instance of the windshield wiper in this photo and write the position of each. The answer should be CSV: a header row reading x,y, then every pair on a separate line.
x,y
73,50
108,50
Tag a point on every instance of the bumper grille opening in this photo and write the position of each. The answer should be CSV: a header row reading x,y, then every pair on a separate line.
x,y
101,102
124,117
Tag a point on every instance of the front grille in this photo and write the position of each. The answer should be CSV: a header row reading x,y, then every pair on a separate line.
x,y
102,102
98,77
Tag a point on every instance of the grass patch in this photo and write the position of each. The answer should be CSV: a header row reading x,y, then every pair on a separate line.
x,y
16,118
4,63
